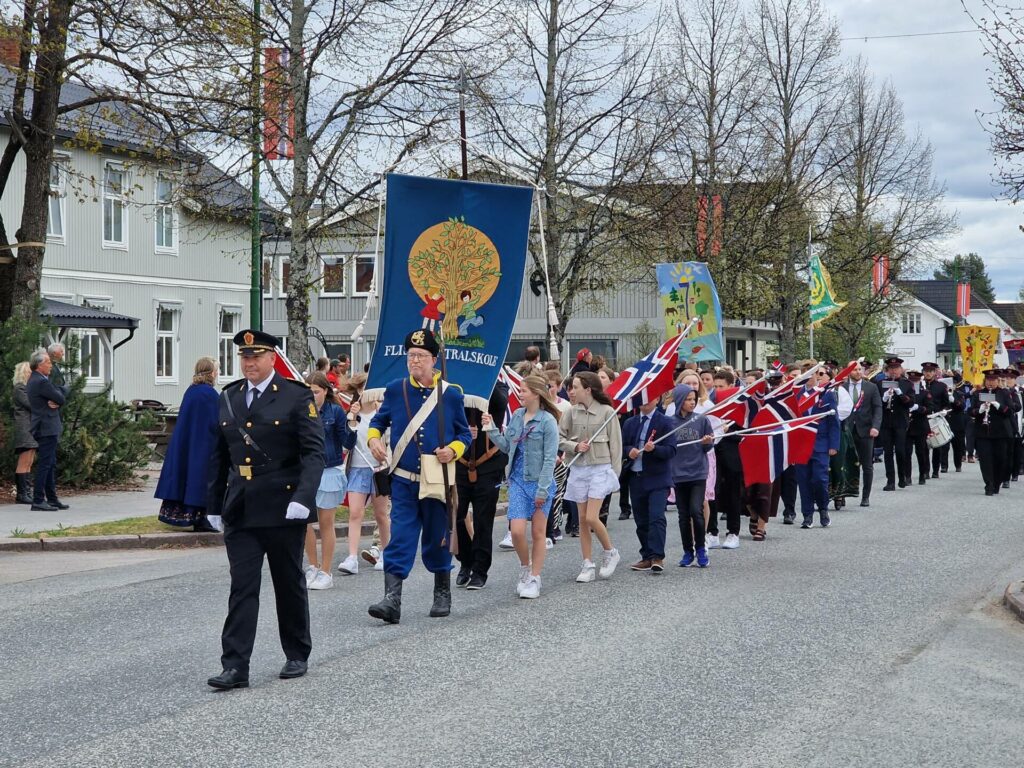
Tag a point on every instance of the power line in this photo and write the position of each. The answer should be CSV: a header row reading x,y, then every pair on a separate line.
x,y
911,34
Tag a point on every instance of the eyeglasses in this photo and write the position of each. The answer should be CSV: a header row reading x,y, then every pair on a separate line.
x,y
418,355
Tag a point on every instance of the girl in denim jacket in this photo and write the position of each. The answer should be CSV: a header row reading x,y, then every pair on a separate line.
x,y
531,441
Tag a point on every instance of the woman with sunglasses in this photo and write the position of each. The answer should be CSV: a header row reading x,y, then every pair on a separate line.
x,y
531,441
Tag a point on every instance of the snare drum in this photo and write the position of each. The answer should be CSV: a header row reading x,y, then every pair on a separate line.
x,y
939,432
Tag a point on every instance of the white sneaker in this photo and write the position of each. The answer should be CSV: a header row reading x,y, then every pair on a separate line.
x,y
371,555
588,573
548,544
506,543
532,588
350,565
310,572
379,565
712,542
322,580
524,576
732,541
609,560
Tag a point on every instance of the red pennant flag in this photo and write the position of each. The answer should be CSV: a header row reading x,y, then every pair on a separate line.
x,y
963,300
880,274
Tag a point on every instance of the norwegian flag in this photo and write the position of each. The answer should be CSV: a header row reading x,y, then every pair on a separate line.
x,y
514,382
963,299
779,366
739,406
880,274
807,400
649,378
766,456
284,366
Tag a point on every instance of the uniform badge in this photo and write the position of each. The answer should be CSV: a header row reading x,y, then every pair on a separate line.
x,y
312,411
249,339
418,337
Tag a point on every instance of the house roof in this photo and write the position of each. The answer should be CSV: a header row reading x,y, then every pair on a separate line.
x,y
940,295
65,315
121,127
1012,313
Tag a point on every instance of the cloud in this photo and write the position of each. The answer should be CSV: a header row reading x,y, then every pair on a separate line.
x,y
943,83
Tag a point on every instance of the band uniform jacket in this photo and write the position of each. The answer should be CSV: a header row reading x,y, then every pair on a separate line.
x,y
252,488
957,417
867,409
46,421
998,425
919,418
1015,408
894,412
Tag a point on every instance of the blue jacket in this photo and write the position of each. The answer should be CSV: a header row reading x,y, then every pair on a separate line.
x,y
827,438
392,413
540,443
337,435
183,477
657,471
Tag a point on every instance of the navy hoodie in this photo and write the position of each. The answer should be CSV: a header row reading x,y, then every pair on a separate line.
x,y
691,461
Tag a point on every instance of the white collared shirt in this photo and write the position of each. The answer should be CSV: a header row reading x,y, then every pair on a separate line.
x,y
262,387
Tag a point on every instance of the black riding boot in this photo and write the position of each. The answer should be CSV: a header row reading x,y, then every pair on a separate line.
x,y
23,484
442,594
390,608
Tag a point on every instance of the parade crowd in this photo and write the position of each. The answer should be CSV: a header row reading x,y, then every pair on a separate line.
x,y
276,454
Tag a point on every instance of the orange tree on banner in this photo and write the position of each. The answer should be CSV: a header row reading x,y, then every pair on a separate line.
x,y
978,344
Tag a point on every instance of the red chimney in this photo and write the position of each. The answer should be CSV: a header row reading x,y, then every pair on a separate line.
x,y
10,45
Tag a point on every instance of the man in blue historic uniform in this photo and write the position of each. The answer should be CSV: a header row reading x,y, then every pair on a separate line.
x,y
410,410
264,473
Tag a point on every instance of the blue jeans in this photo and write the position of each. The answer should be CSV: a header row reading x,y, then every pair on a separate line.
x,y
46,470
649,514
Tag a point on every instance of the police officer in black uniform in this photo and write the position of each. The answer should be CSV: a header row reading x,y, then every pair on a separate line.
x,y
897,397
264,474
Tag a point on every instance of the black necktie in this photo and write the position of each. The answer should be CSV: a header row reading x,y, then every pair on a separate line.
x,y
255,397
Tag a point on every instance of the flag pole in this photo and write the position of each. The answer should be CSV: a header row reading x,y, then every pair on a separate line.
x,y
255,252
810,278
743,432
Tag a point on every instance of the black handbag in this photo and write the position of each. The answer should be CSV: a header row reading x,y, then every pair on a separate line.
x,y
382,482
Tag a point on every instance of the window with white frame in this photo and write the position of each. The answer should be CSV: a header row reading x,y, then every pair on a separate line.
x,y
58,194
333,276
165,218
230,324
168,317
911,323
115,201
268,278
363,266
90,356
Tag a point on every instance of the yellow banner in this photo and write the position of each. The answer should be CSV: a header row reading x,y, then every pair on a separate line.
x,y
977,348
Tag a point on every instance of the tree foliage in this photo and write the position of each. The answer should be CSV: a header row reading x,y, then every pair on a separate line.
x,y
970,267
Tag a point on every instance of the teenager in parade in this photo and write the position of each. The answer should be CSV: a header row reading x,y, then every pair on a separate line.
x,y
690,472
333,483
812,477
590,431
531,441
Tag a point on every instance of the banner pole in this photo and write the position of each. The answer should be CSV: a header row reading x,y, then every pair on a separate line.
x,y
810,277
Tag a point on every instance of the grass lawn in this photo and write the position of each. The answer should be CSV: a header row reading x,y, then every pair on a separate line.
x,y
129,525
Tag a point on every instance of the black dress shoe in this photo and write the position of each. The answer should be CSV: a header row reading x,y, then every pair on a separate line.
x,y
935,475
43,507
921,480
864,503
889,487
463,578
293,668
624,515
228,679
202,525
903,483
57,504
1006,484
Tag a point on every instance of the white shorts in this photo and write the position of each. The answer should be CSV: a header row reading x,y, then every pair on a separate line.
x,y
590,482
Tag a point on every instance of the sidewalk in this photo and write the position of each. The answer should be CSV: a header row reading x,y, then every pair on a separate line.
x,y
85,508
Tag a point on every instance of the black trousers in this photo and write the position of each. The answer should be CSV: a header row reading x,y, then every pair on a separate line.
x,y
475,552
860,468
624,477
993,457
790,488
894,449
1016,457
246,548
940,456
690,503
917,444
46,470
969,438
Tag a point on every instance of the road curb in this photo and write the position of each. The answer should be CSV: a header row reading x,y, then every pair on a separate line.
x,y
1013,598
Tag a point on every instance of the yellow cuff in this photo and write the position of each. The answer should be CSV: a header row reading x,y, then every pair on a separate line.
x,y
459,447
372,433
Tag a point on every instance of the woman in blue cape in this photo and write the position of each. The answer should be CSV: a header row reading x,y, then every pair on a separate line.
x,y
182,483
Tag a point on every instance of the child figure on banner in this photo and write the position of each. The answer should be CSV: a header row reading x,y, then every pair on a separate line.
x,y
470,319
431,313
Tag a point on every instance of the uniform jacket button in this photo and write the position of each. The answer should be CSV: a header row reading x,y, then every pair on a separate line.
x,y
248,424
288,487
248,460
277,423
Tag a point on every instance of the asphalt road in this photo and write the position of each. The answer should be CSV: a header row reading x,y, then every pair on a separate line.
x,y
876,642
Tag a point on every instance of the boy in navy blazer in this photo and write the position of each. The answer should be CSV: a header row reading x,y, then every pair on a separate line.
x,y
650,467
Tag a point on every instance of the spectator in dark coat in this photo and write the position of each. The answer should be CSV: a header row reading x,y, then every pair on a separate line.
x,y
24,444
183,478
45,400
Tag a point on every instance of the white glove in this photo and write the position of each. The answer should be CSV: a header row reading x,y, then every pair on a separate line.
x,y
914,407
216,521
888,395
296,511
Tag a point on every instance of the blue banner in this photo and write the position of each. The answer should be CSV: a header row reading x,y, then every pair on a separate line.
x,y
686,290
454,255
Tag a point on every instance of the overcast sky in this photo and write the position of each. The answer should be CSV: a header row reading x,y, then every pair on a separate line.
x,y
942,81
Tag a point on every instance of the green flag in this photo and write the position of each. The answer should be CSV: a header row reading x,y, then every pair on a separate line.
x,y
823,301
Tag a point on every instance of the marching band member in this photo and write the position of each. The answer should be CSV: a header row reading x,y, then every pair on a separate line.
x,y
897,397
941,400
992,431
